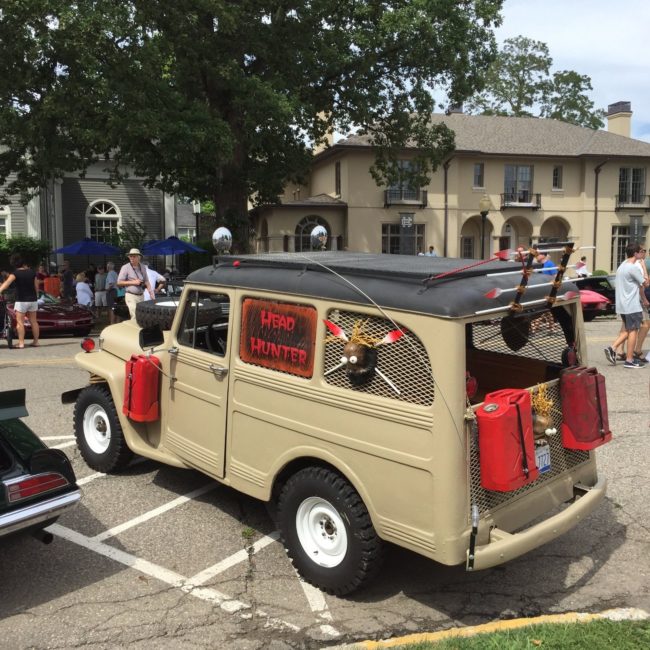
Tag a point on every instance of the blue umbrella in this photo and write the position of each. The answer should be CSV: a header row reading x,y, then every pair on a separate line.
x,y
88,246
170,246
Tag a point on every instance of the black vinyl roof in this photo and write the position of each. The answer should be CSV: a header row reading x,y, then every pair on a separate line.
x,y
405,282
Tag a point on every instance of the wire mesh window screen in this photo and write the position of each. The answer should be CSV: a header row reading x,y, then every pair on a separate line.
x,y
404,363
562,459
536,336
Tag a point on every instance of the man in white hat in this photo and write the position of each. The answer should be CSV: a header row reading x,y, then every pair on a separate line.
x,y
133,277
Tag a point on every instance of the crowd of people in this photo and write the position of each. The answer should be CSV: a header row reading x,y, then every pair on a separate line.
x,y
97,287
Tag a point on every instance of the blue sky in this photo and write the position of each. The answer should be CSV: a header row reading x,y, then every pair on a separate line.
x,y
608,41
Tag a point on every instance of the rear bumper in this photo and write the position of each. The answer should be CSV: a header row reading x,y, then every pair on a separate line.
x,y
37,513
503,546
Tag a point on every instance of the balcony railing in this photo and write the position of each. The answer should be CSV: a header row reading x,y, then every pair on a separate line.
x,y
635,201
405,196
523,199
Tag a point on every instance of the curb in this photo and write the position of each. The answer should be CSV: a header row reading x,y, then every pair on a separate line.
x,y
619,614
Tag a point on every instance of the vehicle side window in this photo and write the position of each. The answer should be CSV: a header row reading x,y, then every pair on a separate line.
x,y
204,325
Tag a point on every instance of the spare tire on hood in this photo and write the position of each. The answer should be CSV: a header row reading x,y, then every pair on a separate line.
x,y
160,311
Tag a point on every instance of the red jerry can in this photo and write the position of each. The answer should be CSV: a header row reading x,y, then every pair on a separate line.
x,y
141,388
585,424
505,440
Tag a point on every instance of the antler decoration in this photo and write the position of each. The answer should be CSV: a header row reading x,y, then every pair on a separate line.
x,y
557,283
360,352
527,271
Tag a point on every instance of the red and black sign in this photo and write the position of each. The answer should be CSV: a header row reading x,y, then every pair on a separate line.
x,y
280,336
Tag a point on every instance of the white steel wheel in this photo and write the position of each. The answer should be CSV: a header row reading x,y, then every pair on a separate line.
x,y
98,431
327,532
97,428
321,532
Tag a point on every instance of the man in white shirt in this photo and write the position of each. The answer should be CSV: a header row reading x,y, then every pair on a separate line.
x,y
133,277
629,286
156,280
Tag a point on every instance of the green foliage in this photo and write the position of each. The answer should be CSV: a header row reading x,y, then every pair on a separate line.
x,y
519,83
600,272
132,234
31,250
220,100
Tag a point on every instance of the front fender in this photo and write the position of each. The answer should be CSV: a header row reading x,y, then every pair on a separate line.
x,y
143,438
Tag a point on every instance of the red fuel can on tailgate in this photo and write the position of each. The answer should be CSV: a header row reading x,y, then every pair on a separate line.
x,y
141,388
505,440
585,423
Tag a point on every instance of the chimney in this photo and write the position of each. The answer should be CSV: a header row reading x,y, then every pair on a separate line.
x,y
454,108
327,140
619,118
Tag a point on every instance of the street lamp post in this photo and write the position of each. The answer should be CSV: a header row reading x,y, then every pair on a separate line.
x,y
484,206
196,208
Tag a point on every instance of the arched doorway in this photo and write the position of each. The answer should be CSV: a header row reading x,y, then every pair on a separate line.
x,y
517,231
473,231
303,232
554,229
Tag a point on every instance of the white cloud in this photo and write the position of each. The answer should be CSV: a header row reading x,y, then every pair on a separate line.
x,y
604,40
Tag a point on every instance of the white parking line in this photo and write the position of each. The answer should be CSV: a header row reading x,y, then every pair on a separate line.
x,y
89,478
116,530
240,556
162,574
63,445
318,605
315,598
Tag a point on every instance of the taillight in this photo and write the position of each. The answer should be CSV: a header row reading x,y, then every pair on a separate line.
x,y
26,487
88,345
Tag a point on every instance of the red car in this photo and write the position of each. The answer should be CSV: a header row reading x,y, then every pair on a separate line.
x,y
594,304
57,317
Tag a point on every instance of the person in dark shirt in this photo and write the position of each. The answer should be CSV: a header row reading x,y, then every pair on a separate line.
x,y
67,281
26,298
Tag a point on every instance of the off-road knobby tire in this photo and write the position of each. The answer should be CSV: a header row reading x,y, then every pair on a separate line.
x,y
150,312
117,455
365,551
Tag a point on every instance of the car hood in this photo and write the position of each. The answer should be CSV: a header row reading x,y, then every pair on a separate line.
x,y
587,297
63,310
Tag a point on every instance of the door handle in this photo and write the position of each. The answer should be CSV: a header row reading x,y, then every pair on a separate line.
x,y
218,371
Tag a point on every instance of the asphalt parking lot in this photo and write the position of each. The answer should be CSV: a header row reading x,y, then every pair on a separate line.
x,y
162,557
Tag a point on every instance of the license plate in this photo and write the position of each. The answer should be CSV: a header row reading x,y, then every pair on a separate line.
x,y
543,458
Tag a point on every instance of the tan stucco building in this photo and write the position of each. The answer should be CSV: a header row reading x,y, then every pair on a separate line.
x,y
546,180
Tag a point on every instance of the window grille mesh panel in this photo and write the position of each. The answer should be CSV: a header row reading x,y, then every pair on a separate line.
x,y
562,459
404,363
543,341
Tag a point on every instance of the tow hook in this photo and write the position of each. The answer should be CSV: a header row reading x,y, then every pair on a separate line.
x,y
472,537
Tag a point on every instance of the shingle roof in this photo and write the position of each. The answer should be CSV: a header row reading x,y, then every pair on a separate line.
x,y
526,136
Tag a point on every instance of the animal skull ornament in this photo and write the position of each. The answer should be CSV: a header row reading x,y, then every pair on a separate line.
x,y
360,353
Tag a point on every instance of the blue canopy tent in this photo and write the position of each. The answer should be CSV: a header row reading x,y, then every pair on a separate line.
x,y
88,246
170,246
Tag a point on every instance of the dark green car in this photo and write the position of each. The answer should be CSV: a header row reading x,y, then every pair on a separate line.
x,y
37,484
